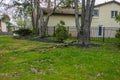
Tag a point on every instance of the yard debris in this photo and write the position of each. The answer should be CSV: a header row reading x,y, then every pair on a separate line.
x,y
98,75
38,71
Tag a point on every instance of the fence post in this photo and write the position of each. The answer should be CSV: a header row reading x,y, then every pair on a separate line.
x,y
103,34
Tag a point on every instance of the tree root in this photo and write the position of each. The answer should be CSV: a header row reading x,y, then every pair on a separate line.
x,y
45,49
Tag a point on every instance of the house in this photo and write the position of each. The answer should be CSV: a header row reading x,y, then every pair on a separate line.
x,y
4,30
104,16
66,15
3,26
105,13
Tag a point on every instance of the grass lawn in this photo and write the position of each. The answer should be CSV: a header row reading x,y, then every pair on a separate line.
x,y
23,60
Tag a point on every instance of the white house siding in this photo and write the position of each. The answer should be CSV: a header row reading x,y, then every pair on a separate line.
x,y
104,17
68,19
69,22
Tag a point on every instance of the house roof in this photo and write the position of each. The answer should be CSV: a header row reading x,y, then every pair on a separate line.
x,y
102,4
62,11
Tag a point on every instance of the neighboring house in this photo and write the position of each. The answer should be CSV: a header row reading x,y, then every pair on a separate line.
x,y
104,16
66,15
105,13
3,27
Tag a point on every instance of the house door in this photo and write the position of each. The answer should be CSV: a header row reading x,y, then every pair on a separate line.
x,y
100,31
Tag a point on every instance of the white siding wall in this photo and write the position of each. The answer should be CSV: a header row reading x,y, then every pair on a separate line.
x,y
68,19
104,17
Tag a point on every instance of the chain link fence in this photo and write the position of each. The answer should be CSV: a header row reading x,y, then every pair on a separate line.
x,y
96,33
6,33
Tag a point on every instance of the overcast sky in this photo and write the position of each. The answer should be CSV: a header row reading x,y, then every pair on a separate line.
x,y
102,1
97,1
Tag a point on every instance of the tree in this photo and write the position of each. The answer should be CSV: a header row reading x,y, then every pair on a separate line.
x,y
5,18
1,1
44,20
86,18
68,4
22,12
9,26
118,18
61,32
38,18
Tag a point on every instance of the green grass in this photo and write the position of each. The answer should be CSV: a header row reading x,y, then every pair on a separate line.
x,y
19,62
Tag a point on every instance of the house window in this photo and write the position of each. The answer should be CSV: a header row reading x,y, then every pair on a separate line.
x,y
114,14
96,12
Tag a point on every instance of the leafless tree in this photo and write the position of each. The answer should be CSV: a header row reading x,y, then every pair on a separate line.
x,y
44,20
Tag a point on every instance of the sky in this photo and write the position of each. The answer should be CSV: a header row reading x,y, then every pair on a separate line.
x,y
97,1
103,1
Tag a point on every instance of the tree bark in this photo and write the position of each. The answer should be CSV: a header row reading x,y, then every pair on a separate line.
x,y
37,18
44,22
85,40
77,19
82,22
33,17
86,18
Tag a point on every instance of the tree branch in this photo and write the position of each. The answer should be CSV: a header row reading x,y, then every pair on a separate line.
x,y
49,14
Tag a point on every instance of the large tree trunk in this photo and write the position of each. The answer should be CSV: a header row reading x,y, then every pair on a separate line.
x,y
37,18
82,22
87,22
34,16
77,19
42,24
91,14
86,26
86,18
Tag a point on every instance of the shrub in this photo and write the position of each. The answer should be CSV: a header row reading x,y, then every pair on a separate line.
x,y
61,33
23,32
70,35
118,36
9,26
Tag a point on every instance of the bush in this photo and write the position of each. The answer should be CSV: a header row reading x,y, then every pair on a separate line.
x,y
61,33
70,35
23,32
118,36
